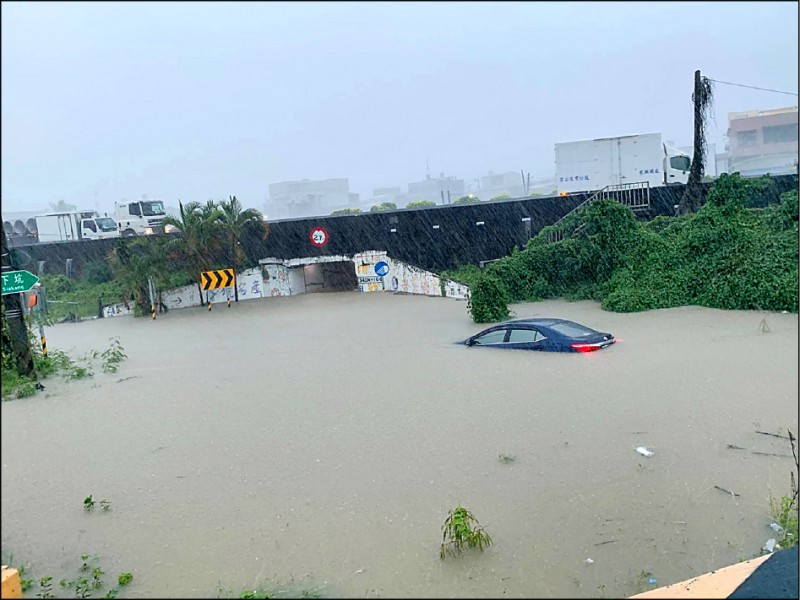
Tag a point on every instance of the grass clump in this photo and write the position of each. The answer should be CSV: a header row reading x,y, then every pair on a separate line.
x,y
462,530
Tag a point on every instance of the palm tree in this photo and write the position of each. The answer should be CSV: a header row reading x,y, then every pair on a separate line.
x,y
199,240
234,222
134,263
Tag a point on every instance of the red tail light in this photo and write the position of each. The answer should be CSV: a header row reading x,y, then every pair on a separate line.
x,y
592,347
585,347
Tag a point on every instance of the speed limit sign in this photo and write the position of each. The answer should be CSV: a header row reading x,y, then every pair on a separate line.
x,y
318,236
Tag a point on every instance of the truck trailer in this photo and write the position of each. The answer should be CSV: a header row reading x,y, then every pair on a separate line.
x,y
591,165
75,226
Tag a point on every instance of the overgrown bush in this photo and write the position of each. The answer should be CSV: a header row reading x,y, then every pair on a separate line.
x,y
727,255
488,300
97,272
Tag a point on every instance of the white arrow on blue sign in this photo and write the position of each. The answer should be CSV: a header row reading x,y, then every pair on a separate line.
x,y
382,268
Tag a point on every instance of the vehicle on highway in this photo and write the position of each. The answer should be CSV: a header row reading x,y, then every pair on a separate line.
x,y
549,335
74,226
141,217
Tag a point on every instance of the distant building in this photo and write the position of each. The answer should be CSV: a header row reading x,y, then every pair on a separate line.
x,y
395,195
436,189
763,141
496,184
308,198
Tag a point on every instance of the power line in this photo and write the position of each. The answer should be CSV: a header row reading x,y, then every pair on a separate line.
x,y
752,87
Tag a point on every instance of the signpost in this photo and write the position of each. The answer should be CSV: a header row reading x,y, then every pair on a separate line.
x,y
213,280
16,282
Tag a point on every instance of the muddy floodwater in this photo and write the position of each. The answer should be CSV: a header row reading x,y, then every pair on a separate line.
x,y
321,440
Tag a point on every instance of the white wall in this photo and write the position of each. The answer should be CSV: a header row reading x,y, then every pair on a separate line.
x,y
402,278
286,278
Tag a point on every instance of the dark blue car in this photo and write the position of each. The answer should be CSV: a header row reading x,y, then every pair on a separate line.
x,y
550,335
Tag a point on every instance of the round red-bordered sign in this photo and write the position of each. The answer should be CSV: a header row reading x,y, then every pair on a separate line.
x,y
318,236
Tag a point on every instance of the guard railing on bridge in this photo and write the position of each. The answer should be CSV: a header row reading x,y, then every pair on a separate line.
x,y
633,195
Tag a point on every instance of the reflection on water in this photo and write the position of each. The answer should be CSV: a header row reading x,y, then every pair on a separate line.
x,y
324,438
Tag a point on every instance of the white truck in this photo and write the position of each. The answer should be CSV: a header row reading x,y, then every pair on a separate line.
x,y
141,217
591,165
74,226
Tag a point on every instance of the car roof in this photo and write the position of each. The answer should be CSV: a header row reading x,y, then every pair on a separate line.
x,y
542,321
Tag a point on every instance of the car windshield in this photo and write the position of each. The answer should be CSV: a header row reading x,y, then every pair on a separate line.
x,y
106,224
573,330
153,209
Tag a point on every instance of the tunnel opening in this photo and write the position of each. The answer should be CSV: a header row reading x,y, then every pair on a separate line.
x,y
330,277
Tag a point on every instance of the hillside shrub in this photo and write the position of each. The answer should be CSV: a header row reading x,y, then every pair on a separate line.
x,y
97,272
728,255
488,300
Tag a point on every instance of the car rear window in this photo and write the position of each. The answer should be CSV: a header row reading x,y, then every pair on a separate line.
x,y
573,330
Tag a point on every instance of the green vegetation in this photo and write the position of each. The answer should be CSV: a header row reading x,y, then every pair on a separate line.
x,y
383,206
727,255
76,299
488,300
420,204
89,580
88,503
97,272
470,199
345,211
461,529
57,362
113,356
784,511
234,222
500,197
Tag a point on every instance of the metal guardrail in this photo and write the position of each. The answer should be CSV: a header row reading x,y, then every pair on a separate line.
x,y
635,195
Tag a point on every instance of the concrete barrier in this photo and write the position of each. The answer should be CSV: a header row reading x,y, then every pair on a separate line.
x,y
11,585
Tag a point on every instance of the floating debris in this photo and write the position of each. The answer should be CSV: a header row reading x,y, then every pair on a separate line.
x,y
644,451
726,491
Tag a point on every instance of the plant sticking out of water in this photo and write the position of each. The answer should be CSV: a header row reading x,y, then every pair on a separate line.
x,y
88,503
113,356
45,588
507,459
105,504
25,582
784,511
461,529
91,579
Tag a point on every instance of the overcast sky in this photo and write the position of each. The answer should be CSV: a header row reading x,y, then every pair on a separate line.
x,y
188,101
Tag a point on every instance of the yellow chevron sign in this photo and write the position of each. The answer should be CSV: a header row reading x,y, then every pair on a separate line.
x,y
213,280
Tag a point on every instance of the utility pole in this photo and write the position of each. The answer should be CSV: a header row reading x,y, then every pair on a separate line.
x,y
20,345
692,195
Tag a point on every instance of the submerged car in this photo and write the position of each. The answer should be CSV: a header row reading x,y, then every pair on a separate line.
x,y
550,335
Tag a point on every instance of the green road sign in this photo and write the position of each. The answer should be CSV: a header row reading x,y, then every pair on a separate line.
x,y
15,282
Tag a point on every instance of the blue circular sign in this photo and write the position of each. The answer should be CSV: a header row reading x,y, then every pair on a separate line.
x,y
382,268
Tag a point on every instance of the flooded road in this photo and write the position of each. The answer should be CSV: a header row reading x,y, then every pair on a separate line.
x,y
323,438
